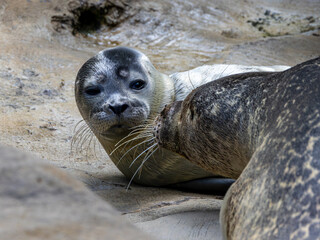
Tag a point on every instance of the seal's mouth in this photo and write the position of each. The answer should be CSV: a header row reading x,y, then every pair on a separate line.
x,y
117,126
114,129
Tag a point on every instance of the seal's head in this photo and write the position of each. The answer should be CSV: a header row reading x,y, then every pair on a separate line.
x,y
115,90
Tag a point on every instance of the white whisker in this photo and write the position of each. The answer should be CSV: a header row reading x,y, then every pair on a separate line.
x,y
139,169
134,132
135,146
142,153
130,140
148,155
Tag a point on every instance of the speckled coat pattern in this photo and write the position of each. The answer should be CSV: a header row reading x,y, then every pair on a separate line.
x,y
281,184
264,129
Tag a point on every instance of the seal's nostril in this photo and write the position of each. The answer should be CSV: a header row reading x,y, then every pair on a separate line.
x,y
118,109
124,107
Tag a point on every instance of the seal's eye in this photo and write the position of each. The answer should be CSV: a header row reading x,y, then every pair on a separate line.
x,y
137,84
92,90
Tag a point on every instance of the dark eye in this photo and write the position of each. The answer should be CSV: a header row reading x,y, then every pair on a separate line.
x,y
137,84
93,90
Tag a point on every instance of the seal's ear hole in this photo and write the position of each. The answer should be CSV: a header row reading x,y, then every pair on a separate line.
x,y
92,90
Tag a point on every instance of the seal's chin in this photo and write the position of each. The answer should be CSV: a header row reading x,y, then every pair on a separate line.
x,y
116,130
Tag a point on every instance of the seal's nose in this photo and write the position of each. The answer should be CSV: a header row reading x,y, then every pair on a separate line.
x,y
118,109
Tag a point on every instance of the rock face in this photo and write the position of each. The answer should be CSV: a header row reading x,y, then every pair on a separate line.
x,y
89,16
39,201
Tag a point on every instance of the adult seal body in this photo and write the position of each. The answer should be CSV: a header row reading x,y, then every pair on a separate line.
x,y
119,89
262,129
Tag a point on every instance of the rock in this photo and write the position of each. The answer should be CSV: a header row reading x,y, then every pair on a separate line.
x,y
89,15
39,201
230,33
49,93
29,73
277,24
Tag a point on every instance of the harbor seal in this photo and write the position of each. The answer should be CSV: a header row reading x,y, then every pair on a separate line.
x,y
262,129
119,89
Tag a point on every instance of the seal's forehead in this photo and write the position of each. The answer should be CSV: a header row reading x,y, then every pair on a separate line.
x,y
122,54
119,61
103,64
123,59
123,72
94,70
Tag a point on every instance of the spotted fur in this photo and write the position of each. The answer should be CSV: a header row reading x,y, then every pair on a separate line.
x,y
262,129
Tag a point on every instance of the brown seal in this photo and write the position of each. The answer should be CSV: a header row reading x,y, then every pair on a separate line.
x,y
262,129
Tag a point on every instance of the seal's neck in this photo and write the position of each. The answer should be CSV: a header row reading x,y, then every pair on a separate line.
x,y
164,94
169,90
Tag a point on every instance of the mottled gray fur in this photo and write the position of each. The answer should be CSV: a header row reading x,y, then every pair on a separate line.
x,y
264,130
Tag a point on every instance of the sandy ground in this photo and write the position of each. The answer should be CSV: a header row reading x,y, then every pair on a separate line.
x,y
41,52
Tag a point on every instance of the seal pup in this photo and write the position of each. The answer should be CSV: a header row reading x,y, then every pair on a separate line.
x,y
262,129
119,89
